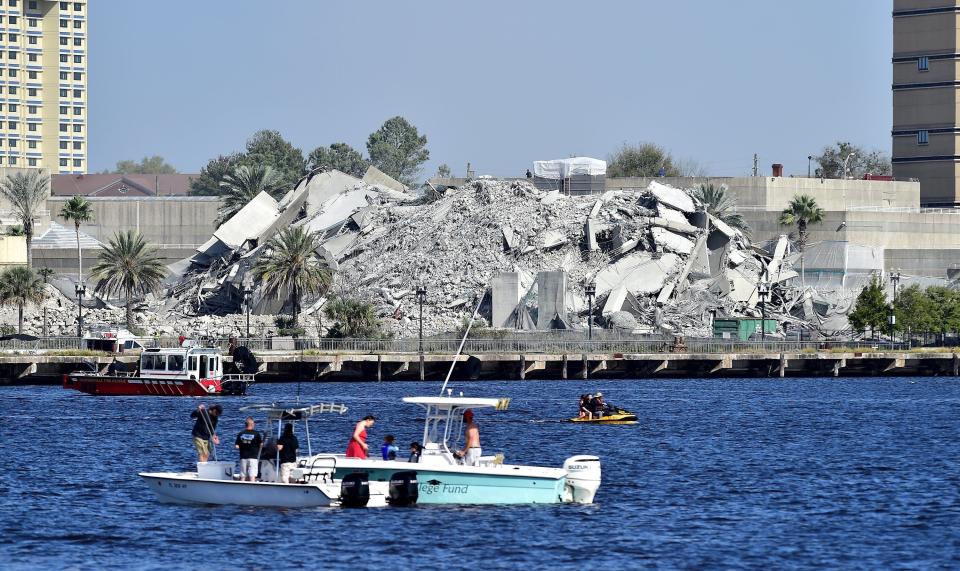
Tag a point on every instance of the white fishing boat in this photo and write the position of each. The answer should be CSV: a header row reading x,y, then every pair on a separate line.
x,y
217,483
444,479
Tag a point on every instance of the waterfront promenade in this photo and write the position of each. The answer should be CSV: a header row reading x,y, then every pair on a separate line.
x,y
47,359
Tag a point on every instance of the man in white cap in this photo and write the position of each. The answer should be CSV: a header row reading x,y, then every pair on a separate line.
x,y
597,405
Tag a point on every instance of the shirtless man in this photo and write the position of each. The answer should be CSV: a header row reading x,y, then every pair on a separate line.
x,y
471,436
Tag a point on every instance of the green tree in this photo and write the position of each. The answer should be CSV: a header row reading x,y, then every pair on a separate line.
x,y
209,183
397,149
243,184
870,309
642,160
861,162
802,211
19,286
291,265
914,310
339,156
79,211
720,204
15,230
128,265
27,193
45,274
443,171
148,165
352,318
269,148
946,309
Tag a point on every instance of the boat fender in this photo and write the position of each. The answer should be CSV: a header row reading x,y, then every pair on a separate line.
x,y
355,490
404,489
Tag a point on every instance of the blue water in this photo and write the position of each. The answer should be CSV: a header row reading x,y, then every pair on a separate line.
x,y
848,474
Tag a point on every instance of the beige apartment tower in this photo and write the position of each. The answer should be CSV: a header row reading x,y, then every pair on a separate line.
x,y
43,85
926,97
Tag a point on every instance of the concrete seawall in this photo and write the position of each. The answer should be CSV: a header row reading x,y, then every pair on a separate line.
x,y
291,366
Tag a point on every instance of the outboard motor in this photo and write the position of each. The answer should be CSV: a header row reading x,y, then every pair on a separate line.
x,y
355,490
583,479
404,489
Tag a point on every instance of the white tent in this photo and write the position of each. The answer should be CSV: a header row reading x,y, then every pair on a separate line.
x,y
565,168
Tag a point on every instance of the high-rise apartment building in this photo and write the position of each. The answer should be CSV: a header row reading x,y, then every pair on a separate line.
x,y
926,97
43,85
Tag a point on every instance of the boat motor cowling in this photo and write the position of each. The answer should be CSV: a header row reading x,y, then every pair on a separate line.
x,y
583,478
404,489
355,490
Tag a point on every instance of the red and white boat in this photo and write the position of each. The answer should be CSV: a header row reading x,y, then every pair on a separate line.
x,y
184,371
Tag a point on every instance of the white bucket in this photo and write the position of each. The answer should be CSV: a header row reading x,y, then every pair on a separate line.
x,y
215,470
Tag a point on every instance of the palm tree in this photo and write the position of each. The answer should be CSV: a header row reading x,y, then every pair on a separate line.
x,y
130,266
19,286
45,274
243,184
26,191
353,318
79,211
722,206
291,264
802,210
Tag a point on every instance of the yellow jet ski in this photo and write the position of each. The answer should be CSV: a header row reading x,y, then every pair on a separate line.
x,y
614,416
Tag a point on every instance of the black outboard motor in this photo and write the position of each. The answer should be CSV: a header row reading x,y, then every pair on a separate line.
x,y
355,490
404,489
244,360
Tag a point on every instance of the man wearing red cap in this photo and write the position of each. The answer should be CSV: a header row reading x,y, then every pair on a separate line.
x,y
471,436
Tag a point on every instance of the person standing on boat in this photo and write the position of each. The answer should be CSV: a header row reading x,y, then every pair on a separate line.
x,y
288,445
357,448
249,442
389,450
268,458
205,430
471,435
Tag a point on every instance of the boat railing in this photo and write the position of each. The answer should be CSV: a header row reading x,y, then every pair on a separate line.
x,y
326,468
239,377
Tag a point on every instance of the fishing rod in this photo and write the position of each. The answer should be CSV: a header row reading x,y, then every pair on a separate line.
x,y
462,343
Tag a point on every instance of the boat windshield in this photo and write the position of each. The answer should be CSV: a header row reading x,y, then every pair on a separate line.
x,y
443,419
294,413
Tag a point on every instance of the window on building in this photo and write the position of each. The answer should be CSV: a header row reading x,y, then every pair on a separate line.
x,y
64,75
78,41
77,76
63,162
12,89
31,144
77,24
77,59
13,160
77,7
923,137
31,57
13,37
63,109
77,128
63,127
13,107
64,40
923,63
12,142
32,40
32,22
31,92
77,162
63,145
63,92
77,145
64,5
13,73
13,3
32,74
32,109
31,162
12,55
63,23
33,5
32,127
76,93
63,58
12,20
78,110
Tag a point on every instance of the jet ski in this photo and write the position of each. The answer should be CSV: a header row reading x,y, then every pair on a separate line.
x,y
614,415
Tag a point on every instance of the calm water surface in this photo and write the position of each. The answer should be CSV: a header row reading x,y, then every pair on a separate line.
x,y
852,474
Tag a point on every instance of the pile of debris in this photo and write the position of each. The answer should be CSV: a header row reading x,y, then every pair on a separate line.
x,y
658,261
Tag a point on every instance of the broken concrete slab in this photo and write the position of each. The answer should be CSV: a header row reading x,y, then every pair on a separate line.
x,y
673,197
776,262
553,239
722,226
250,222
596,209
505,296
615,301
671,242
672,214
550,197
638,272
681,227
743,289
551,300
509,238
590,235
377,177
323,186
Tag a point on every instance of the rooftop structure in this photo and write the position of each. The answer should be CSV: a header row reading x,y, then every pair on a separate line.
x,y
115,184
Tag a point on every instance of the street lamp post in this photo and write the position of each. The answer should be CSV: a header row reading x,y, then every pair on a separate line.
x,y
809,160
591,290
846,161
247,298
421,295
763,290
81,290
891,320
895,280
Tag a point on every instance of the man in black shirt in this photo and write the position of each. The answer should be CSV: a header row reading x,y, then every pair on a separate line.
x,y
249,443
205,430
288,445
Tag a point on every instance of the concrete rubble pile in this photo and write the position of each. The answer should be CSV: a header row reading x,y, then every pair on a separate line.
x,y
659,262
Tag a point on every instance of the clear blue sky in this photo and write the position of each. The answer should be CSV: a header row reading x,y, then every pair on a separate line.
x,y
496,83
